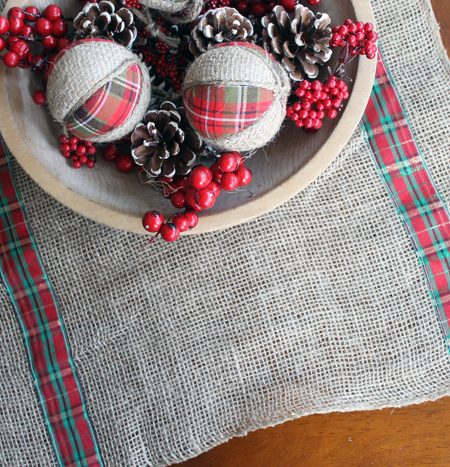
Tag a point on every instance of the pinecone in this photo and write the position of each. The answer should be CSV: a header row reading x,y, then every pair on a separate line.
x,y
108,19
219,25
165,144
300,40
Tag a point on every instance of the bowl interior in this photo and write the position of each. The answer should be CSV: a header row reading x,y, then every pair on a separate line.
x,y
123,193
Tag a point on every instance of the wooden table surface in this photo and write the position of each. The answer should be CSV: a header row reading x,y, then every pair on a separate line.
x,y
412,436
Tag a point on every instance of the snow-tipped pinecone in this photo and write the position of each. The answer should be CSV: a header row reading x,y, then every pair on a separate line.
x,y
219,25
165,144
299,40
107,19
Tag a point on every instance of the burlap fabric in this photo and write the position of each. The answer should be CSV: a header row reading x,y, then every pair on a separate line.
x,y
70,85
319,306
236,66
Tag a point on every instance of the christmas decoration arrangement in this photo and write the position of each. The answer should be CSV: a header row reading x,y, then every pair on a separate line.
x,y
180,94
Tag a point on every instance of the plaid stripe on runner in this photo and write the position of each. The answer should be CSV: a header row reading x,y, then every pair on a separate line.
x,y
411,188
108,107
43,331
217,111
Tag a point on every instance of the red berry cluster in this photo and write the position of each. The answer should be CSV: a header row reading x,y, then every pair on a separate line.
x,y
359,37
133,4
24,26
124,162
315,101
213,4
79,152
167,65
197,192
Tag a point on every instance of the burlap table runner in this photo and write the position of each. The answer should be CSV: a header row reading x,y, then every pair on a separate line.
x,y
319,306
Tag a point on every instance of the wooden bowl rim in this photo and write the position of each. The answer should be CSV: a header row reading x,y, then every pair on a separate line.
x,y
262,204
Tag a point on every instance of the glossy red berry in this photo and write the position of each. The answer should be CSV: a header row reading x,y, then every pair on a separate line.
x,y
32,14
200,177
152,221
49,42
288,5
228,162
27,31
170,232
178,199
39,97
16,12
206,198
110,152
15,25
124,163
215,188
43,27
192,201
53,12
192,218
4,25
10,59
229,182
20,48
2,44
59,28
217,171
182,222
244,175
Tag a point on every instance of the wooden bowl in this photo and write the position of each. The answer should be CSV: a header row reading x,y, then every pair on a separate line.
x,y
280,170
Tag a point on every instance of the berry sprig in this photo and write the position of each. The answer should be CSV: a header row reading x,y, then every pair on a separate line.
x,y
315,101
23,26
196,193
360,38
79,152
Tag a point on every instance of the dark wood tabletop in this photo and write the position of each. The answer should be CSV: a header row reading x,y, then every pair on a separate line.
x,y
413,436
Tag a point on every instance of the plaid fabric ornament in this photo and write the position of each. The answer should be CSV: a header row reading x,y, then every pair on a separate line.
x,y
217,111
109,107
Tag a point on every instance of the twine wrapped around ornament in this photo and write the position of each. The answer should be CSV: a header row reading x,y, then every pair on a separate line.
x,y
177,11
85,68
253,88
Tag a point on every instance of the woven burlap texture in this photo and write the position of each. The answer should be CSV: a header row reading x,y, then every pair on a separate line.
x,y
70,86
319,306
240,66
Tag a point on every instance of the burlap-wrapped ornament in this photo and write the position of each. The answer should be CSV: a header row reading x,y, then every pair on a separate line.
x,y
235,96
98,90
177,11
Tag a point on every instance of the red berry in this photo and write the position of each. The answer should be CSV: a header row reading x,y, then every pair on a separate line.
x,y
244,175
215,188
170,232
206,198
16,12
27,31
124,163
192,218
10,59
81,150
200,177
217,171
76,164
20,48
2,44
181,221
49,42
258,9
4,25
288,5
39,97
229,182
90,164
53,12
178,199
152,221
43,27
191,200
110,152
15,25
32,14
59,28
228,162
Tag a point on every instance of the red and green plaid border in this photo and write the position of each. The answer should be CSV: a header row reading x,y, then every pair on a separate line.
x,y
44,334
411,188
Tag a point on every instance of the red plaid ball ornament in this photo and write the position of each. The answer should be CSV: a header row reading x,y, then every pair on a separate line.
x,y
235,96
98,90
